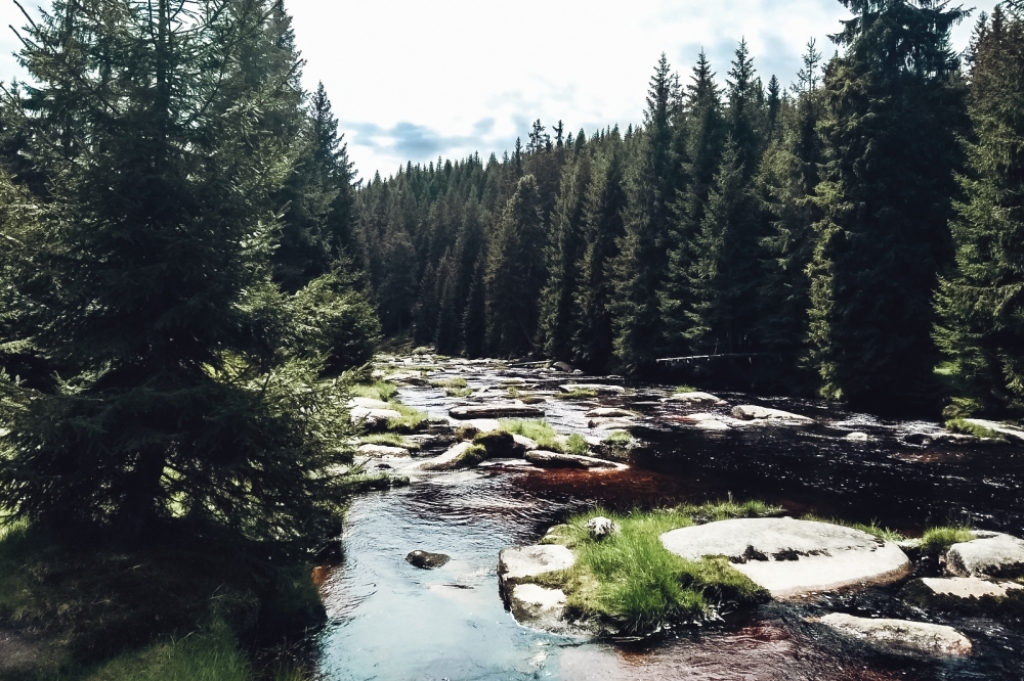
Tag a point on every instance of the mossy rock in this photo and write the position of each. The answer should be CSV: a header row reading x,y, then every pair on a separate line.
x,y
499,445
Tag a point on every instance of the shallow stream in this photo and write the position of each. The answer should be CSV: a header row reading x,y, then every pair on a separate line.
x,y
389,620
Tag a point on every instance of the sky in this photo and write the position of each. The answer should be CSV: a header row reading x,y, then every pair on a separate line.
x,y
414,80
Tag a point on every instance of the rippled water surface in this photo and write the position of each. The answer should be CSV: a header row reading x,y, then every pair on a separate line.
x,y
390,620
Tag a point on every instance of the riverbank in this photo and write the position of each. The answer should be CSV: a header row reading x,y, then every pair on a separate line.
x,y
182,610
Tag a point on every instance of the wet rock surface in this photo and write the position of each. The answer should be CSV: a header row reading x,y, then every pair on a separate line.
x,y
496,411
427,560
923,637
790,557
545,459
989,554
381,451
695,397
969,587
538,607
517,564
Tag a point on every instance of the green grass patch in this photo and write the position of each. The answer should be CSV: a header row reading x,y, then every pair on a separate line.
x,y
453,383
211,654
410,421
374,482
620,437
540,431
388,440
685,389
473,456
872,528
580,394
630,581
378,390
576,444
935,540
171,612
973,429
458,392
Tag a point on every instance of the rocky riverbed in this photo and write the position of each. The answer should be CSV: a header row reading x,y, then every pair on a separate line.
x,y
657,447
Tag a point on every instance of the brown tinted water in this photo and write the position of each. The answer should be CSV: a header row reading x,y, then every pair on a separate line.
x,y
390,620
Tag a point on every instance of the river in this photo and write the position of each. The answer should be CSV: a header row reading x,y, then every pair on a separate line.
x,y
389,620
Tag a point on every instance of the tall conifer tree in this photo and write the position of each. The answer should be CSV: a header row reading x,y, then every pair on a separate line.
x,y
892,110
981,313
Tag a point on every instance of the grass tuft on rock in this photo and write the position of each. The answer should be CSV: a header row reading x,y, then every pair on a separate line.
x,y
936,540
632,582
973,429
410,421
539,431
388,440
576,444
377,390
473,456
685,389
580,394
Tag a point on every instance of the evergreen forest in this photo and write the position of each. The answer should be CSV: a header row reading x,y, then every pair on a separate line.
x,y
194,281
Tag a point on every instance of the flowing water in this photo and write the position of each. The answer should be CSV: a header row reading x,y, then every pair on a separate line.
x,y
389,620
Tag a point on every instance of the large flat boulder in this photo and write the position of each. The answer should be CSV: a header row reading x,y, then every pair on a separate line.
x,y
526,562
969,587
790,557
610,413
546,459
922,637
452,459
750,412
599,388
380,451
495,411
695,397
373,417
989,554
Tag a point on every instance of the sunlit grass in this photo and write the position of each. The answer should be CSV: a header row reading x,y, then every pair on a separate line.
x,y
410,420
378,390
685,389
938,539
539,431
576,444
980,432
630,579
579,394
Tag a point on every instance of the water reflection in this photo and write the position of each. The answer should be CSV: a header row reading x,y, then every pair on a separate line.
x,y
390,620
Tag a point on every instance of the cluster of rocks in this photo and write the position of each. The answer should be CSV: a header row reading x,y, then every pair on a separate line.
x,y
793,559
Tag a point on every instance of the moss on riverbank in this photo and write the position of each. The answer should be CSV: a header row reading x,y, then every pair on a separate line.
x,y
632,583
186,609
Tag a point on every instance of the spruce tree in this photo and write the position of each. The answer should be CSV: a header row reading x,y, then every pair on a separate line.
x,y
892,110
981,314
592,333
639,267
787,180
515,273
704,135
148,278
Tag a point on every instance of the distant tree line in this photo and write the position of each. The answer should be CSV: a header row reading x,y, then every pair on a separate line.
x,y
860,233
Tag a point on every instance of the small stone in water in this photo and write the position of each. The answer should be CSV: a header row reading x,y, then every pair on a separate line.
x,y
426,559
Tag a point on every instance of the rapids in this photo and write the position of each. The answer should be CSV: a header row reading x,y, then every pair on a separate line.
x,y
390,620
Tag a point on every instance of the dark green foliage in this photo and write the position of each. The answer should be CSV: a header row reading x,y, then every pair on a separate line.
x,y
638,269
592,335
145,275
704,133
515,273
891,110
789,173
981,314
723,273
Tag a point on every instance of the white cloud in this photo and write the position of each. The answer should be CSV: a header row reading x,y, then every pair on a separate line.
x,y
414,79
